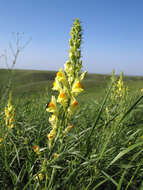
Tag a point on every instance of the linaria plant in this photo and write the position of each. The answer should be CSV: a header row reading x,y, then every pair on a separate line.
x,y
68,84
116,104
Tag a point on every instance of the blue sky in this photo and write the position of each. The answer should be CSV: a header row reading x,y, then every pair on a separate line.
x,y
112,33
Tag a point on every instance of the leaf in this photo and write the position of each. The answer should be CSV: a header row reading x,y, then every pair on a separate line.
x,y
121,154
110,178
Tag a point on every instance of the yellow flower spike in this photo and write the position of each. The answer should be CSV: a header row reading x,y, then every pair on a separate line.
x,y
68,84
1,139
142,90
9,114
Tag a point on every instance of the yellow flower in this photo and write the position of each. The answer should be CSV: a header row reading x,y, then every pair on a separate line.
x,y
1,139
61,76
77,87
53,119
10,126
56,155
36,149
40,177
9,114
56,85
62,98
68,68
142,90
73,107
51,134
74,104
11,120
52,107
68,128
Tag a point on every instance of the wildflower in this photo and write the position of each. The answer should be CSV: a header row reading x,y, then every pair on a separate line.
x,y
68,84
62,98
40,177
142,90
120,85
52,107
74,104
56,85
61,76
36,149
68,68
73,107
56,155
77,87
9,114
68,128
53,120
51,134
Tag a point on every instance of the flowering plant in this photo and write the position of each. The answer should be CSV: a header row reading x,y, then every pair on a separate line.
x,y
68,84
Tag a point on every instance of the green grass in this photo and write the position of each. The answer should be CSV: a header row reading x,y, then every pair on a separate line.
x,y
103,151
30,82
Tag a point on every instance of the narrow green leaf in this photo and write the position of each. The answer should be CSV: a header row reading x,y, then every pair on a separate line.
x,y
121,154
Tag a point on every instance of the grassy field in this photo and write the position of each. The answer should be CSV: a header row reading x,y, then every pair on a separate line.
x,y
31,82
103,151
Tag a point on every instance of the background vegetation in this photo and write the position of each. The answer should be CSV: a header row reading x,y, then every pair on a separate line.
x,y
114,158
32,82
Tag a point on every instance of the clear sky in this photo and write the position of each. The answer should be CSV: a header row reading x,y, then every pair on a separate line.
x,y
112,33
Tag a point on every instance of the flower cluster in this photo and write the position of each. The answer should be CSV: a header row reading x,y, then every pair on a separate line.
x,y
69,86
120,85
118,96
9,113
